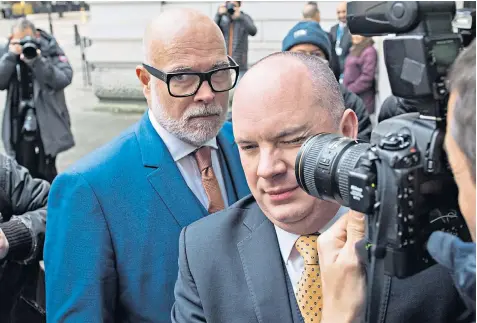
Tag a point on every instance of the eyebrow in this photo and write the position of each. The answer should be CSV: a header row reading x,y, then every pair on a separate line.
x,y
185,68
304,129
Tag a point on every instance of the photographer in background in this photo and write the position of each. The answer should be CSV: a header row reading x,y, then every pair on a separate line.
x,y
22,230
342,275
236,26
36,123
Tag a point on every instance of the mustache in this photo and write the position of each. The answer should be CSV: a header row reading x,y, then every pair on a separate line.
x,y
203,111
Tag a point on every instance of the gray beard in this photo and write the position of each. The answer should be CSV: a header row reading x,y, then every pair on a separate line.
x,y
190,130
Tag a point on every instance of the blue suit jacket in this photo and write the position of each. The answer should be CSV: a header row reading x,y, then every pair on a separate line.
x,y
114,219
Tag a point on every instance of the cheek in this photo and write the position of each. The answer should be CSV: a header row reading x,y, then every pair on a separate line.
x,y
249,165
222,98
176,107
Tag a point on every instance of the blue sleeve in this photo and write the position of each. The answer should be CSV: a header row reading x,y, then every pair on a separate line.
x,y
80,273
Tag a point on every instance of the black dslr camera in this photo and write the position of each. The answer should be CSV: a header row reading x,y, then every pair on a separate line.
x,y
29,47
230,8
401,180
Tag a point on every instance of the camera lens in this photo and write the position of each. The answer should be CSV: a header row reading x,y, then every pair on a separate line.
x,y
230,8
323,164
29,50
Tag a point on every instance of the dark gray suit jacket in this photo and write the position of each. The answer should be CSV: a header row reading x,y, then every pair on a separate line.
x,y
345,44
231,270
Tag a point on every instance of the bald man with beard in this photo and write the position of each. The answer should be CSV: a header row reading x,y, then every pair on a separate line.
x,y
114,218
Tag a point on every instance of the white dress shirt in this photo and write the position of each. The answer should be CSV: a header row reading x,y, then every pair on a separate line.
x,y
293,260
182,153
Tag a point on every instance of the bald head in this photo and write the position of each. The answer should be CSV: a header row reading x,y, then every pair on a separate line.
x,y
311,11
184,26
299,77
341,11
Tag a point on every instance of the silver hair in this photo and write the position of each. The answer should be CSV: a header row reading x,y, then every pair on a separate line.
x,y
326,90
462,80
23,24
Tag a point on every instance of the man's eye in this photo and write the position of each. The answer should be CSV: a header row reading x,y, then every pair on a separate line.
x,y
248,147
298,140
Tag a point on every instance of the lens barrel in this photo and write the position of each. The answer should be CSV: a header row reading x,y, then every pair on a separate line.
x,y
29,50
323,164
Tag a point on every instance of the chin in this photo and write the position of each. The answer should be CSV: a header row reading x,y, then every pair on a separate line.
x,y
289,214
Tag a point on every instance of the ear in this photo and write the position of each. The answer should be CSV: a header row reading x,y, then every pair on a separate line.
x,y
349,124
144,78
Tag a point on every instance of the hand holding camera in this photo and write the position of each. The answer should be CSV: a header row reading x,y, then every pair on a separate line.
x,y
229,9
27,48
341,271
15,47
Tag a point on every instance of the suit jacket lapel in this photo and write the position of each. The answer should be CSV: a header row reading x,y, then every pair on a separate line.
x,y
166,179
297,317
346,38
263,269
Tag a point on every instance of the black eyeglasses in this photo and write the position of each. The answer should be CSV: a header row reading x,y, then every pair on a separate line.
x,y
183,84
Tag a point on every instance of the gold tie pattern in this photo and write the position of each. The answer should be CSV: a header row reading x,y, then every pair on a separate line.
x,y
309,295
209,181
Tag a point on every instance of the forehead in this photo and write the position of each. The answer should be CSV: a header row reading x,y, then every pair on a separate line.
x,y
25,32
307,47
263,112
184,50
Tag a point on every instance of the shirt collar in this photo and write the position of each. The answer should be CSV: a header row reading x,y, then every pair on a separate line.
x,y
342,24
286,240
178,148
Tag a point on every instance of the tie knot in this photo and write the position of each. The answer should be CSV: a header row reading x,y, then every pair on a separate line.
x,y
306,246
203,158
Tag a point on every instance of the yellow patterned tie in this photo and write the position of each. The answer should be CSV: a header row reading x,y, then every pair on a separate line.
x,y
309,295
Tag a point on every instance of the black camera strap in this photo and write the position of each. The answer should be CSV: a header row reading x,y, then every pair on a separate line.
x,y
378,283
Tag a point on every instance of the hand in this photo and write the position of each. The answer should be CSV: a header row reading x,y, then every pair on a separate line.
x,y
29,61
222,10
341,273
236,14
15,47
4,245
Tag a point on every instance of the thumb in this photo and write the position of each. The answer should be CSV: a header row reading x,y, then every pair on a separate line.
x,y
355,227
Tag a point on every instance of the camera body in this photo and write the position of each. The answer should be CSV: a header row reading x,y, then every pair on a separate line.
x,y
230,8
401,180
29,47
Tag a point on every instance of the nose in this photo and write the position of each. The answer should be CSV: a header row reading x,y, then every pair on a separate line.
x,y
204,93
270,164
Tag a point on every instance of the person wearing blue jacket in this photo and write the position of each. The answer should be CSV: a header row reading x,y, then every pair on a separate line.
x,y
111,249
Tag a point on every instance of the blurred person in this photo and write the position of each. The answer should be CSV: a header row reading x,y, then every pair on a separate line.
x,y
311,12
236,26
22,229
307,37
115,216
36,122
360,70
343,278
257,261
341,37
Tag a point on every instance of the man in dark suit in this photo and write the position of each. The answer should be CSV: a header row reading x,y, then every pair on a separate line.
x,y
115,217
257,261
340,36
311,12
